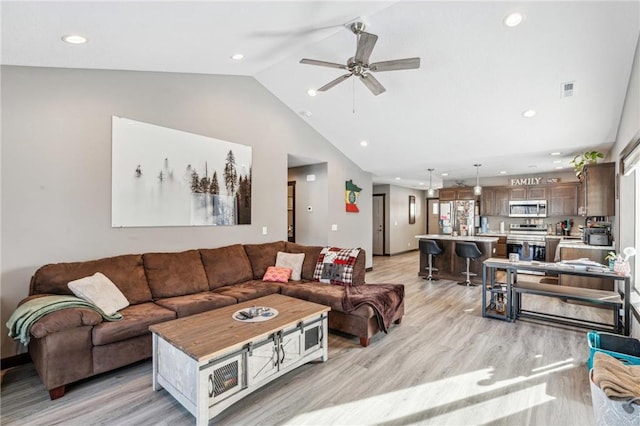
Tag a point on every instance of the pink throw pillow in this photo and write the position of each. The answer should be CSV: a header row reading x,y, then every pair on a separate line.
x,y
277,274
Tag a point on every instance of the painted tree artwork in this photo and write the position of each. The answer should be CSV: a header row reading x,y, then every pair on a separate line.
x,y
167,177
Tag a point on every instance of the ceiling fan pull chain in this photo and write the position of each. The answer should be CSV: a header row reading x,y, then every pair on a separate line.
x,y
354,96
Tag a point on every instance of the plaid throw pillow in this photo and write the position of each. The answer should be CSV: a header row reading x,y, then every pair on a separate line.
x,y
335,265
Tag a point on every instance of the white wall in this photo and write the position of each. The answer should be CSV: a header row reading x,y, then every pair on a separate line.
x,y
56,165
310,226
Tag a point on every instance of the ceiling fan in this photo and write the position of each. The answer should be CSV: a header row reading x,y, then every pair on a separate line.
x,y
359,64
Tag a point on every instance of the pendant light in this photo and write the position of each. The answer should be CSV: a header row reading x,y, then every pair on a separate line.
x,y
477,190
430,192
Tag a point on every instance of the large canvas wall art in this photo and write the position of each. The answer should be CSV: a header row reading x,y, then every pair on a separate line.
x,y
167,177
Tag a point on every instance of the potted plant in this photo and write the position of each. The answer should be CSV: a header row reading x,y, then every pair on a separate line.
x,y
611,257
581,160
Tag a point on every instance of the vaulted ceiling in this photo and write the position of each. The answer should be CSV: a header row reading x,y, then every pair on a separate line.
x,y
462,107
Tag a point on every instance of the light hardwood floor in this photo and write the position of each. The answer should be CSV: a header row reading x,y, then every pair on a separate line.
x,y
444,364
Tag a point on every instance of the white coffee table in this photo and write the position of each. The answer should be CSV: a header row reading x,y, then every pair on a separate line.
x,y
209,361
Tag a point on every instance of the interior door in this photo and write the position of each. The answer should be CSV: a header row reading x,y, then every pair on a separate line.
x,y
378,225
291,212
433,215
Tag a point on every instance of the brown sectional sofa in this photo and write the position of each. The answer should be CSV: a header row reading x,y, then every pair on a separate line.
x,y
72,344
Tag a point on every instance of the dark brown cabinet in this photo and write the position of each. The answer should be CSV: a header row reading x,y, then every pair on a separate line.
x,y
528,193
494,201
563,200
570,253
451,194
598,186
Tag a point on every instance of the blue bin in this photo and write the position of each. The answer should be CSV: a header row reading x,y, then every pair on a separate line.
x,y
625,349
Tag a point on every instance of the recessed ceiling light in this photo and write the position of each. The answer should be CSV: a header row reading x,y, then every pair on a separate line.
x,y
444,174
306,113
503,172
237,56
397,178
559,167
421,183
364,143
74,39
555,153
529,113
513,19
557,161
311,92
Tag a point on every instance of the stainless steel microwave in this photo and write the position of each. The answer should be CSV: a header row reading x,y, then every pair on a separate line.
x,y
528,208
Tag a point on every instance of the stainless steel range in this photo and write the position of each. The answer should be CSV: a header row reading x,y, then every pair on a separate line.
x,y
528,241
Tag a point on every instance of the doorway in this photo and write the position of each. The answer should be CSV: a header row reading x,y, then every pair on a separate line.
x,y
291,211
433,216
378,224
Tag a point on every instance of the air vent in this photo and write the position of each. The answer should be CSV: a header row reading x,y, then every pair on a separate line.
x,y
567,89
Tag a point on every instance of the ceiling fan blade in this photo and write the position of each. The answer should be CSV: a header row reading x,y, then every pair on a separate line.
x,y
372,84
366,42
335,82
322,63
398,64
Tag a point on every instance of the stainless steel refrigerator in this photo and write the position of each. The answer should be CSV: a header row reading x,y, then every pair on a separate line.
x,y
457,216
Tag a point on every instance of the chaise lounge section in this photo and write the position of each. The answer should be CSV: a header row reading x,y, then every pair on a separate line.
x,y
76,343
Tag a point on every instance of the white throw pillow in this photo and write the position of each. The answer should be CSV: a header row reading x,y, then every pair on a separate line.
x,y
293,261
101,291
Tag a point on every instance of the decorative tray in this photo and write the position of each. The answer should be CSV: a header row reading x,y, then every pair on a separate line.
x,y
255,314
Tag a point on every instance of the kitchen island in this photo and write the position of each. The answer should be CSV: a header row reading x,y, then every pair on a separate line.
x,y
451,266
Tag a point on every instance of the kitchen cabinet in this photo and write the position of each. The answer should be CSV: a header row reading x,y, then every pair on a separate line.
x,y
551,244
501,247
451,194
494,201
597,255
598,190
563,200
528,193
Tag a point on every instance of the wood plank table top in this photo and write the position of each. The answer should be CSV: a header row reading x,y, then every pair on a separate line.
x,y
210,334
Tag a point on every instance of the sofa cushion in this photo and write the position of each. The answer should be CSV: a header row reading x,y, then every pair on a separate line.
x,y
99,290
277,275
221,271
336,265
249,290
126,272
311,254
293,261
262,256
136,320
327,295
175,274
192,304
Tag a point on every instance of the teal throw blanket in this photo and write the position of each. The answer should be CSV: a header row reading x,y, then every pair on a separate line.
x,y
28,313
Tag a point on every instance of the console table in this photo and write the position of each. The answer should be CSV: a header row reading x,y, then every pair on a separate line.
x,y
209,361
493,291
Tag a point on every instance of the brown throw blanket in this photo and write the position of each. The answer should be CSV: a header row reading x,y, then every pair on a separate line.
x,y
617,380
385,299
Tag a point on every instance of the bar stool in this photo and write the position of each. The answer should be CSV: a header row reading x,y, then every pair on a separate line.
x,y
467,250
430,248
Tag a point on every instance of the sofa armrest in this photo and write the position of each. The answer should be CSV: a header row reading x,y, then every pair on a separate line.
x,y
64,319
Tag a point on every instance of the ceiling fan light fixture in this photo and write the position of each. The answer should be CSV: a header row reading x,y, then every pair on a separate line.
x,y
312,92
477,190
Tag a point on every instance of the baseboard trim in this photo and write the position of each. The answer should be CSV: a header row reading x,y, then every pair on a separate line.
x,y
14,361
403,252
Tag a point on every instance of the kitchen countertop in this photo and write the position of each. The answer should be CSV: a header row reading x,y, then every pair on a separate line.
x,y
476,238
579,244
492,234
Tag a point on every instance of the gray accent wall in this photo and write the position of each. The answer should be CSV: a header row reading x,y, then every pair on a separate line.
x,y
56,166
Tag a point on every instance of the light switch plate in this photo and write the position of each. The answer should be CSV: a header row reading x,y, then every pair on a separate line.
x,y
334,227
